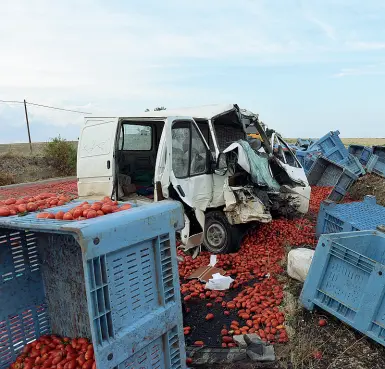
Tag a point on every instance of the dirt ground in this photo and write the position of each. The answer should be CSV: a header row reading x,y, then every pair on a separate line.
x,y
340,346
16,168
370,184
334,346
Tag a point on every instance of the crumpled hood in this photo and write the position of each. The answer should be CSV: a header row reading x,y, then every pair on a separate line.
x,y
257,166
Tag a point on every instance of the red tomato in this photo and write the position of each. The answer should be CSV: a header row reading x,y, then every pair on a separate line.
x,y
59,215
322,322
78,212
31,206
91,214
125,207
42,215
68,216
81,360
106,209
10,201
4,211
96,206
88,364
22,208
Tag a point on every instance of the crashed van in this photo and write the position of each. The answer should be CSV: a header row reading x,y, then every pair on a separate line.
x,y
201,157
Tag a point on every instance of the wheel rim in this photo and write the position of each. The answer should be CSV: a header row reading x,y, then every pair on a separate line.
x,y
215,235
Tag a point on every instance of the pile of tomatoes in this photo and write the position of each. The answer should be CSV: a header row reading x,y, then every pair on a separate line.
x,y
260,259
55,352
318,194
13,206
86,210
61,187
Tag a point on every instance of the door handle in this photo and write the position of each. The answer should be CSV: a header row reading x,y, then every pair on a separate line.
x,y
179,188
108,164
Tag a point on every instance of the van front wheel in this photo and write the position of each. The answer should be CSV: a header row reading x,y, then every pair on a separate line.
x,y
220,237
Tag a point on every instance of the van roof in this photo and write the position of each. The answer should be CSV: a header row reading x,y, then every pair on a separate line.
x,y
198,112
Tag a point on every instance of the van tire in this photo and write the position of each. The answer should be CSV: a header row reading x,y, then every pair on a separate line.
x,y
220,237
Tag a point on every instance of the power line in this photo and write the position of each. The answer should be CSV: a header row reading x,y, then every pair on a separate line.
x,y
12,102
43,106
52,107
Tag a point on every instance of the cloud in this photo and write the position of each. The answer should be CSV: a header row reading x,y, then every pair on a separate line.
x,y
377,69
327,29
366,45
109,57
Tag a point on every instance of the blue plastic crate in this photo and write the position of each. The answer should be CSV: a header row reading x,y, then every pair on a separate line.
x,y
331,147
341,188
303,142
307,158
379,151
362,153
355,216
376,165
347,279
324,173
113,279
354,165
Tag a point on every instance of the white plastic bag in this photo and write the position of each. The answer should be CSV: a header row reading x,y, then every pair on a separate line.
x,y
219,282
298,263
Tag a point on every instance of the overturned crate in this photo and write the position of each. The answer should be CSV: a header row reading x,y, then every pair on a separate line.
x,y
111,279
331,147
326,173
346,279
376,165
379,151
307,159
362,153
354,165
354,216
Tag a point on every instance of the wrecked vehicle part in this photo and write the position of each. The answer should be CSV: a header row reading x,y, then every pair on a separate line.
x,y
255,164
245,207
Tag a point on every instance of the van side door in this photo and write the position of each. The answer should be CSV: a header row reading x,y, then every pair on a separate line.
x,y
189,159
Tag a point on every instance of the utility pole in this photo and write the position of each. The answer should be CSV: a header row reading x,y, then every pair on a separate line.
x,y
26,119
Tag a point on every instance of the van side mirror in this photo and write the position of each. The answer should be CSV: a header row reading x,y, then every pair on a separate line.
x,y
221,164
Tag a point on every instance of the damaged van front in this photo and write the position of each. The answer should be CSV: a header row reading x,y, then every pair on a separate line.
x,y
201,157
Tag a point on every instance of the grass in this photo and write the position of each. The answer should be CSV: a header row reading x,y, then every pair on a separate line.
x,y
6,179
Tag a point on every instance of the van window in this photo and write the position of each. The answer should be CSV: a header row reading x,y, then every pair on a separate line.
x,y
180,149
198,164
136,137
189,152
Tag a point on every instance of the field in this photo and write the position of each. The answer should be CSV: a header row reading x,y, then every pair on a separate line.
x,y
353,141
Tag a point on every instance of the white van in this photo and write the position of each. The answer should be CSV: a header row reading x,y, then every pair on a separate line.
x,y
200,157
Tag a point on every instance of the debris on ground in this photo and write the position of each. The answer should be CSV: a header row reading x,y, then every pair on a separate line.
x,y
298,263
257,350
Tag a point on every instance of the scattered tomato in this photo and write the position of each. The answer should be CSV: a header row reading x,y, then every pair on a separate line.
x,y
322,322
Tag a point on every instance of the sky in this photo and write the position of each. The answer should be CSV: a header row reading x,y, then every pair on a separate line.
x,y
305,66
